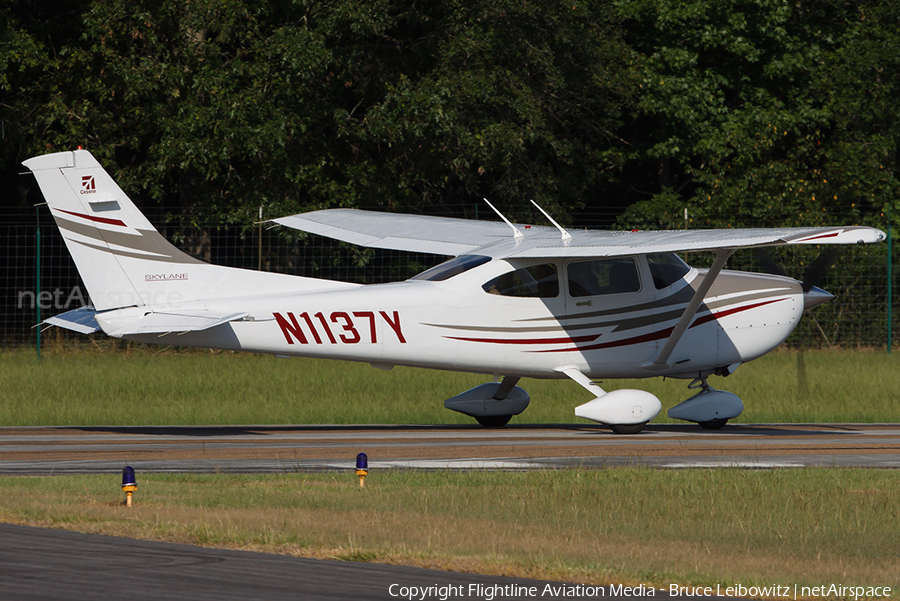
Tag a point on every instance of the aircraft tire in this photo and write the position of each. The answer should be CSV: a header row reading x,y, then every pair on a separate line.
x,y
628,428
713,424
493,421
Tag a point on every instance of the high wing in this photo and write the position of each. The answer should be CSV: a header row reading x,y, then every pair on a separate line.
x,y
396,231
450,236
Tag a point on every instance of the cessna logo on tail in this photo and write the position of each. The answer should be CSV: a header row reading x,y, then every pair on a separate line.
x,y
88,184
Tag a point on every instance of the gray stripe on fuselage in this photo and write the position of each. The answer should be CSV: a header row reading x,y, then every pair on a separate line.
x,y
656,318
621,325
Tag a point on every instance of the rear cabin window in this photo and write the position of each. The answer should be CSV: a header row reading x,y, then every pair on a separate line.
x,y
537,281
454,266
666,269
603,276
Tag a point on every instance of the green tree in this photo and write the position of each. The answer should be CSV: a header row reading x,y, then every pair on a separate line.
x,y
765,112
31,34
216,107
521,101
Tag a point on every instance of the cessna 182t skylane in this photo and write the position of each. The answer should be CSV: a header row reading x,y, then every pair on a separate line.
x,y
515,301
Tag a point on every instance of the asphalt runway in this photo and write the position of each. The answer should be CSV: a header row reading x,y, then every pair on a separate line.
x,y
46,565
52,564
267,449
42,564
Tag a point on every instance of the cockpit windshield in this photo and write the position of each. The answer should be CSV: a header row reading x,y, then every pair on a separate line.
x,y
454,266
536,281
666,269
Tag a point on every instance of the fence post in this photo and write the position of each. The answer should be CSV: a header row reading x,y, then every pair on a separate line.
x,y
37,277
890,288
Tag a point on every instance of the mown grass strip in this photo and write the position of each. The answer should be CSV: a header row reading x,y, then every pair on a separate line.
x,y
142,385
608,526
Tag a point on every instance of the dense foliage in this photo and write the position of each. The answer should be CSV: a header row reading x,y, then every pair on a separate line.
x,y
744,112
612,113
768,113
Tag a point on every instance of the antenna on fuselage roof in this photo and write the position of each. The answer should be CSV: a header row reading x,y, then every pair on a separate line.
x,y
516,233
566,236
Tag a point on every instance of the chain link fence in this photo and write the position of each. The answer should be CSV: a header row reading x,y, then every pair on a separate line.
x,y
29,293
856,318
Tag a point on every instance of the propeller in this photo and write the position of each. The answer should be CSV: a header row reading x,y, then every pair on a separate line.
x,y
813,295
769,264
816,272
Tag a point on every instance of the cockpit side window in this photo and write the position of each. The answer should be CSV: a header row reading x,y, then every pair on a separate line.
x,y
454,266
666,269
536,281
603,276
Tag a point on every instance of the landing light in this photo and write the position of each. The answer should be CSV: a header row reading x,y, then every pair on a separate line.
x,y
129,484
362,468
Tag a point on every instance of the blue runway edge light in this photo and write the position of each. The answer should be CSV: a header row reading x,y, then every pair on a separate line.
x,y
128,476
362,462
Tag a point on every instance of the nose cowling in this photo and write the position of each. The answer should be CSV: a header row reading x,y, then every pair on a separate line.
x,y
814,297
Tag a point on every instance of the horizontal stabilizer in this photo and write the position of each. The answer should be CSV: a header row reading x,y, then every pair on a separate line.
x,y
165,323
80,320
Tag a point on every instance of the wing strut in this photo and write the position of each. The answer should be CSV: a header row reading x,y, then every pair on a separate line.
x,y
576,374
662,359
509,382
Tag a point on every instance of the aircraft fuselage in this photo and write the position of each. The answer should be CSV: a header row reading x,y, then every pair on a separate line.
x,y
457,324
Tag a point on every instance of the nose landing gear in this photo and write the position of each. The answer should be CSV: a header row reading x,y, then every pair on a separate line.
x,y
710,408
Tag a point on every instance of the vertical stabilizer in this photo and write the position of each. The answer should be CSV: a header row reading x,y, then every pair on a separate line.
x,y
123,260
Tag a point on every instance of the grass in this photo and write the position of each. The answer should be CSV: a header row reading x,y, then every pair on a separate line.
x,y
697,527
140,385
626,525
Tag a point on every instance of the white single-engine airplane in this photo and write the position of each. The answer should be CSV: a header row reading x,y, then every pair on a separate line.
x,y
515,301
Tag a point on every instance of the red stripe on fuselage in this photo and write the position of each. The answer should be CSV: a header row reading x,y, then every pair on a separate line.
x,y
564,340
660,334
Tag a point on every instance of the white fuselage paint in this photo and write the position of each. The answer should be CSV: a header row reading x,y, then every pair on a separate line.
x,y
456,325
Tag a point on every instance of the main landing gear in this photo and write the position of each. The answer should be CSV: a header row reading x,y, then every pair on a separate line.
x,y
493,421
625,411
628,428
492,405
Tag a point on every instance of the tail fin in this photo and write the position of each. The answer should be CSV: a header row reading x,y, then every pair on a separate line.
x,y
123,260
